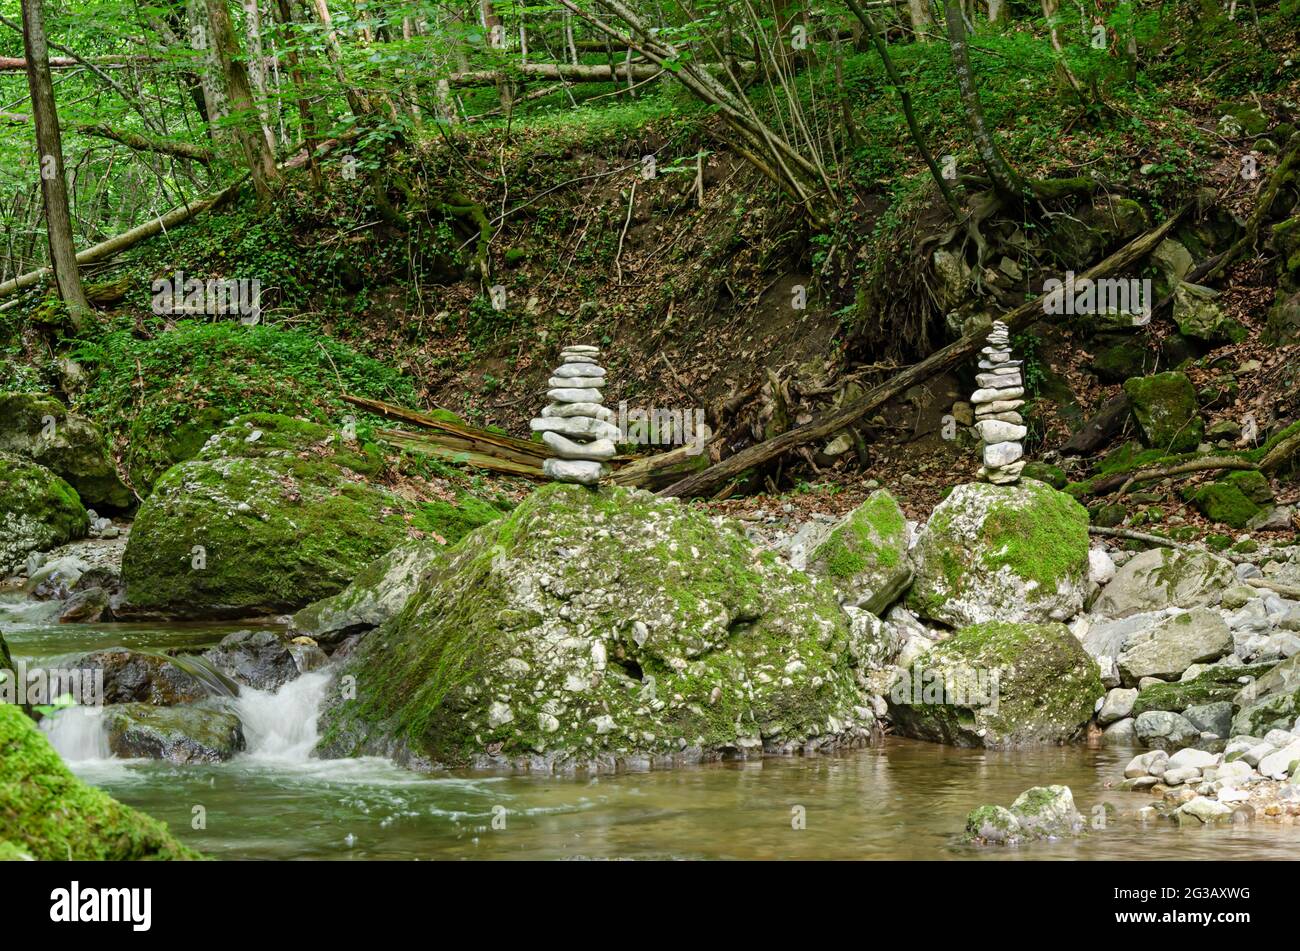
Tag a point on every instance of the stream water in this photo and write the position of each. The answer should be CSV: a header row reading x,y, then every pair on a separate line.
x,y
901,800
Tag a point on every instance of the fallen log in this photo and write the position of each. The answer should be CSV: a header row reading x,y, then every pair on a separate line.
x,y
1284,452
15,64
144,143
482,440
121,242
715,477
1099,430
433,446
1124,480
1160,541
575,73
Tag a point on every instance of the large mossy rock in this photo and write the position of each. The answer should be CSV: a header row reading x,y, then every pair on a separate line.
x,y
865,556
1008,553
1166,410
272,514
47,813
1216,684
998,685
1199,316
38,511
41,429
1271,703
1163,578
597,628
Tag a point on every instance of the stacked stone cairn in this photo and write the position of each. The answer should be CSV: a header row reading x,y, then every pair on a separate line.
x,y
575,426
997,400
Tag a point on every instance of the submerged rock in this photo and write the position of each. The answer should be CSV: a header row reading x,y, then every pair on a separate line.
x,y
865,556
1043,812
599,628
47,813
38,511
179,735
263,660
998,685
134,677
262,526
1007,553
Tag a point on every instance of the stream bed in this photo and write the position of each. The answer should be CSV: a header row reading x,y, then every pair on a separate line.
x,y
900,800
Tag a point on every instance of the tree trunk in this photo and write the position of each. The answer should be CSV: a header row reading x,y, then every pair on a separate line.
x,y
919,12
1006,181
496,37
261,161
305,116
49,146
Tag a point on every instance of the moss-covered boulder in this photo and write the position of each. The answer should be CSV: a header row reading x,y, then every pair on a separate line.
x,y
179,735
272,514
1166,411
38,511
1009,553
998,685
1200,317
47,813
1223,502
865,556
40,428
596,628
1270,703
1163,578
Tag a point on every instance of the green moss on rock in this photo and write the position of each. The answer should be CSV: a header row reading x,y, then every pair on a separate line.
x,y
1166,410
1044,687
38,511
1223,502
272,514
49,814
865,556
1016,553
592,628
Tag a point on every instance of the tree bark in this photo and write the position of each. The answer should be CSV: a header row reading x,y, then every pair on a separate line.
x,y
54,185
1006,181
261,161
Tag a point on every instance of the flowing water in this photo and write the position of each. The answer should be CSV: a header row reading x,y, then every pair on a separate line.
x,y
902,800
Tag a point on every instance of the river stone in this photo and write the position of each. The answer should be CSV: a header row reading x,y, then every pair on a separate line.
x,y
1214,684
564,410
48,814
575,426
992,395
1278,765
586,605
1047,812
581,348
135,677
597,449
258,659
378,592
1121,733
1165,577
582,472
1213,718
1270,703
38,511
40,428
992,825
567,394
865,555
585,382
179,735
1117,706
1171,646
1002,454
1164,730
1009,553
997,685
1207,810
1197,759
994,431
269,526
572,370
997,407
1152,763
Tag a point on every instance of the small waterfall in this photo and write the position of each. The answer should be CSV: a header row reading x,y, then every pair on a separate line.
x,y
77,734
281,725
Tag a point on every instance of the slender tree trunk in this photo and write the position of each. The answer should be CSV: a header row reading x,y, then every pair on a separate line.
x,y
1050,10
1006,180
496,36
998,12
261,161
257,66
919,12
214,97
305,116
49,147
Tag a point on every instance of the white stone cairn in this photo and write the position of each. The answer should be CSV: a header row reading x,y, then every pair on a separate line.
x,y
574,425
999,397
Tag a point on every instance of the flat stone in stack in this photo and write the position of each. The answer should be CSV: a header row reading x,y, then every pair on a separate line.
x,y
1000,395
575,426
